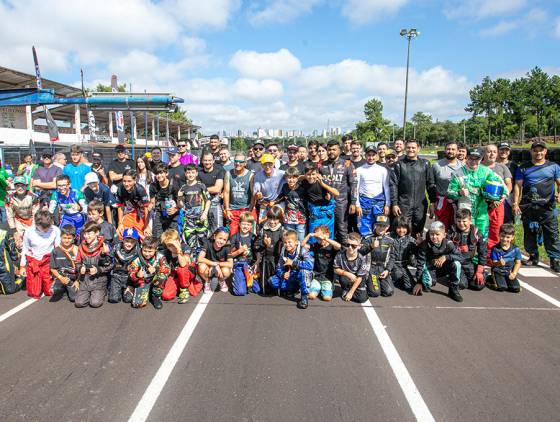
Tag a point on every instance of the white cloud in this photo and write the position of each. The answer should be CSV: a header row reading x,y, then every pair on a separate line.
x,y
557,27
193,45
255,90
281,11
528,24
364,11
278,65
206,14
480,9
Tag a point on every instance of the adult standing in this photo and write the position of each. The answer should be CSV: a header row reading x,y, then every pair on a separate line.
x,y
293,160
225,159
440,206
313,153
535,199
186,156
398,147
254,163
356,154
347,145
302,154
176,171
237,192
267,186
44,179
76,170
341,175
410,178
212,176
496,209
462,152
504,151
98,168
382,153
214,145
274,150
59,160
155,157
119,166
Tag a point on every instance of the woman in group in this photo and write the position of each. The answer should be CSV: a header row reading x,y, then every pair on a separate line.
x,y
143,175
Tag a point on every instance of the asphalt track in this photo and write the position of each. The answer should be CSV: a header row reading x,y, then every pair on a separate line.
x,y
492,357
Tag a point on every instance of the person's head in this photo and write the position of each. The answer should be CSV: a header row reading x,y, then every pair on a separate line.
x,y
129,180
322,152
274,216
141,164
60,159
292,175
130,239
120,152
398,146
290,240
463,219
90,232
207,160
293,153
302,153
224,155
490,154
149,247
28,159
272,149
356,150
473,158
267,163
347,141
322,233
76,154
462,152
503,151
156,154
43,220
381,224
312,147
436,232
451,150
182,147
62,184
191,172
92,181
214,142
333,150
46,160
538,150
311,172
160,172
507,234
170,238
220,237
95,211
402,226
382,150
67,235
174,156
412,148
246,221
353,243
390,157
258,150
239,162
20,184
371,155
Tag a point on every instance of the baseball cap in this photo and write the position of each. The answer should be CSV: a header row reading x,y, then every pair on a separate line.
x,y
371,148
120,148
91,178
538,143
131,233
293,147
258,142
267,158
474,152
20,180
504,145
390,153
172,151
382,220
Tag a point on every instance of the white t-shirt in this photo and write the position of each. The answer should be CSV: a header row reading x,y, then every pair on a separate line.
x,y
373,182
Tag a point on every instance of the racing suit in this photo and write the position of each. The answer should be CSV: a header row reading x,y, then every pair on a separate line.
x,y
403,249
93,287
380,249
119,276
472,247
427,273
301,271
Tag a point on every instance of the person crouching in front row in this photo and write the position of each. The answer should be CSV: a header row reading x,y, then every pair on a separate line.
x,y
352,268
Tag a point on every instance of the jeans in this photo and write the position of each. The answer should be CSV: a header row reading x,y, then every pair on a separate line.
x,y
546,218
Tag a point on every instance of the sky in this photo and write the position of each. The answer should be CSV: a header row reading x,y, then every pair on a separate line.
x,y
286,64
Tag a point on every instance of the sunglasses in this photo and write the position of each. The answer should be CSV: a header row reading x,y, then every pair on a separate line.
x,y
62,186
353,245
239,161
182,146
258,149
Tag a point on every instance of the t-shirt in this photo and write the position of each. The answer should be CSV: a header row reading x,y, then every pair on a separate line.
x,y
538,182
64,263
209,178
214,255
359,163
237,240
254,166
108,232
47,175
510,256
324,259
170,192
269,186
194,196
502,170
295,209
133,201
299,166
239,190
359,266
104,195
177,174
120,168
315,194
77,174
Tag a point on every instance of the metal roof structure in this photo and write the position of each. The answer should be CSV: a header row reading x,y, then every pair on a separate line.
x,y
10,78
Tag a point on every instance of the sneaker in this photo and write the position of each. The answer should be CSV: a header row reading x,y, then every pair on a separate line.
x,y
184,296
223,286
555,265
455,295
302,304
426,289
533,261
156,301
207,288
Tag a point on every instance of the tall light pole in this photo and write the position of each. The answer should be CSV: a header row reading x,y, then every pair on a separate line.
x,y
409,34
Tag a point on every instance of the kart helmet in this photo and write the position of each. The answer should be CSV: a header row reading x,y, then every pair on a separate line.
x,y
493,190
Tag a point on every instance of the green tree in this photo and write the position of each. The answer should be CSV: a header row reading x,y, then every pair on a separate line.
x,y
375,128
423,125
107,88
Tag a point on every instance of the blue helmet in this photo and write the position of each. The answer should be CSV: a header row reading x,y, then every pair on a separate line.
x,y
132,233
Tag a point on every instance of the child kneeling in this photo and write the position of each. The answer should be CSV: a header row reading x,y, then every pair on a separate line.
x,y
352,269
63,264
214,262
506,261
124,253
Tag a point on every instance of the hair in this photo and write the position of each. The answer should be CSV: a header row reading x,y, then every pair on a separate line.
x,y
292,172
312,143
451,143
96,205
150,242
437,226
246,217
380,144
224,148
275,213
58,156
273,144
412,141
76,148
356,142
130,173
355,236
347,137
240,154
460,145
191,166
463,214
168,236
308,166
219,230
156,148
43,219
214,137
160,168
507,230
403,222
322,229
62,178
332,143
206,152
90,226
290,233
68,230
27,155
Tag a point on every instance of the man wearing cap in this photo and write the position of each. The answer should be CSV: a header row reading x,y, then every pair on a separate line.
x,y
176,171
410,177
44,179
267,185
374,196
254,163
293,160
341,175
467,187
76,170
535,198
98,168
97,191
504,151
237,192
440,206
119,166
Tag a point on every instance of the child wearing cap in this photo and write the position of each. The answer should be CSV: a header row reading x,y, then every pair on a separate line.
x,y
21,206
69,203
380,248
124,253
63,264
96,191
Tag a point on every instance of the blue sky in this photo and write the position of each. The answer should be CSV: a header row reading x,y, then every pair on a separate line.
x,y
290,64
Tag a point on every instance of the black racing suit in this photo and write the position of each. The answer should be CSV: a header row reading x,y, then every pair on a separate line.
x,y
380,249
472,247
427,273
403,250
119,276
409,181
341,175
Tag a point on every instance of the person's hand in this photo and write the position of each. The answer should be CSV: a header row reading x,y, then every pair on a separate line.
x,y
494,204
348,296
464,192
75,207
512,275
432,210
438,262
147,231
418,238
140,273
258,195
93,271
352,209
384,274
106,249
417,290
245,249
228,215
351,277
502,261
386,210
151,269
516,210
396,210
76,285
267,241
172,211
359,211
479,275
83,270
65,280
288,262
204,216
219,272
286,275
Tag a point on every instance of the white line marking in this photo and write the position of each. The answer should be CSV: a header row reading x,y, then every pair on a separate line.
x,y
413,396
18,308
148,400
540,294
536,272
476,308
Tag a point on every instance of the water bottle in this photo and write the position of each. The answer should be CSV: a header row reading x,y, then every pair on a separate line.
x,y
517,219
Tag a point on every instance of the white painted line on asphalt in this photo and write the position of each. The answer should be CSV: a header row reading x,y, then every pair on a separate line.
x,y
536,272
148,400
18,308
477,308
413,396
540,294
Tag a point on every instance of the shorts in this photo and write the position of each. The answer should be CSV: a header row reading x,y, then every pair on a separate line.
x,y
321,287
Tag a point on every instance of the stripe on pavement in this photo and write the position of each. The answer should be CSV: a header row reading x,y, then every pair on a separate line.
x,y
540,294
18,308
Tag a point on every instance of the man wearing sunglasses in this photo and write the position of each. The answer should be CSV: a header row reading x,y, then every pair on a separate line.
x,y
254,164
237,192
293,160
186,156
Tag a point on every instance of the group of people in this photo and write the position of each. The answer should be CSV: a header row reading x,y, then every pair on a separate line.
x,y
330,214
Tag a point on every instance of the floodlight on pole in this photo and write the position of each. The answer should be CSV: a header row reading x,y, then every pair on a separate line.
x,y
409,34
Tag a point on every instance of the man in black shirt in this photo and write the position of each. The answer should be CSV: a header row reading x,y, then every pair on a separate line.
x,y
293,160
357,158
155,159
254,164
212,176
119,166
214,145
176,171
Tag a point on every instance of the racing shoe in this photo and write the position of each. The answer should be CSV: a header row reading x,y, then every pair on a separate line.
x,y
532,261
184,296
156,301
555,265
454,294
303,303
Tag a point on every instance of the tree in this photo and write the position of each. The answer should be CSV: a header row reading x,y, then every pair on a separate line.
x,y
423,123
179,115
375,128
107,88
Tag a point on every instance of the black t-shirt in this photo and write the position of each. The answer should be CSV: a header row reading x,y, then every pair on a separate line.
x,y
214,255
358,163
237,240
209,178
171,191
177,174
314,193
194,195
324,258
299,166
120,168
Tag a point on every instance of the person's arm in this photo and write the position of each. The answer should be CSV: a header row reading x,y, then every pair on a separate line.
x,y
306,239
202,259
454,188
36,183
386,187
226,264
114,176
516,196
394,174
515,269
305,261
108,214
431,186
226,194
332,191
26,248
217,188
337,246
